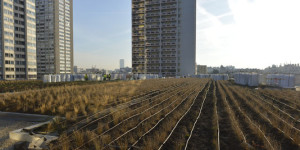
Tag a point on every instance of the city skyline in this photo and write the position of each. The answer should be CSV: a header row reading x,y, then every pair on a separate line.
x,y
219,36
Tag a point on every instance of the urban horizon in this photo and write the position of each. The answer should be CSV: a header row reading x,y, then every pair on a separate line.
x,y
217,38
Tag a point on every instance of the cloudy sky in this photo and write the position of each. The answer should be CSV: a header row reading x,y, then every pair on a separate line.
x,y
243,33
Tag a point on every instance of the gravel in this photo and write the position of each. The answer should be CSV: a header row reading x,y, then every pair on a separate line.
x,y
5,127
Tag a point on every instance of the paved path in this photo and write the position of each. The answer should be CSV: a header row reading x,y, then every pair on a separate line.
x,y
13,121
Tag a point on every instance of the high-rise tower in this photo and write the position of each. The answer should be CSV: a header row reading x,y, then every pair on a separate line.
x,y
17,40
164,37
54,36
122,63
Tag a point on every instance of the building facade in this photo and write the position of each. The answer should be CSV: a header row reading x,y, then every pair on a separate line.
x,y
164,37
54,36
201,69
17,40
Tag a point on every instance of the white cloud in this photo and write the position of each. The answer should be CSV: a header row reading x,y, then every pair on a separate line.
x,y
264,32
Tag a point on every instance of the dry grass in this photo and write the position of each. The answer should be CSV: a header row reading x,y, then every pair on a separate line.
x,y
288,96
122,121
73,101
272,128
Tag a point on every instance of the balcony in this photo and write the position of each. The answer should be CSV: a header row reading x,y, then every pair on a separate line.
x,y
137,18
169,13
153,3
138,12
152,8
152,50
169,37
152,44
152,20
138,45
154,68
168,1
138,58
169,25
153,14
153,32
137,0
138,6
153,38
169,7
168,19
152,26
167,67
168,61
136,40
138,62
169,31
136,52
169,55
152,56
168,43
138,34
139,29
138,23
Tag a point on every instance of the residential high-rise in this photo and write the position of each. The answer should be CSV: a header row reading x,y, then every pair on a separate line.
x,y
122,64
54,36
17,40
164,37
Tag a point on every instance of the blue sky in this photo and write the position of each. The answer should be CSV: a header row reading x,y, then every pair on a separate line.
x,y
102,33
243,33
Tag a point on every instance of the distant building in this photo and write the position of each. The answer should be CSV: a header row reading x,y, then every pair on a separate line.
x,y
227,69
248,70
284,69
164,37
17,40
54,36
125,70
92,70
75,69
213,70
201,69
122,63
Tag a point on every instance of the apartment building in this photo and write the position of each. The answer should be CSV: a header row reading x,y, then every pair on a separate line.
x,y
201,69
54,37
17,40
164,37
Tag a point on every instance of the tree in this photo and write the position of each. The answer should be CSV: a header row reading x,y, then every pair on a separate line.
x,y
86,78
215,71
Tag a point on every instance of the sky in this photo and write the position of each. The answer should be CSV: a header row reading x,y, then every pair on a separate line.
x,y
242,33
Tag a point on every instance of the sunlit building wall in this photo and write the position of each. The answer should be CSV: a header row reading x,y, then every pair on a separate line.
x,y
164,37
54,36
17,40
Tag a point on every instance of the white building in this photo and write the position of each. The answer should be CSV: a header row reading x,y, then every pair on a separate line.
x,y
164,37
